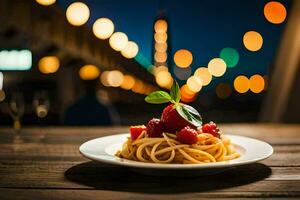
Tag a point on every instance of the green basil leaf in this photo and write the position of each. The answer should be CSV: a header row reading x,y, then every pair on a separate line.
x,y
158,97
175,92
190,114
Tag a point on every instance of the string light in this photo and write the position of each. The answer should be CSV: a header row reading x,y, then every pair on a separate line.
x,y
241,84
103,28
183,58
118,41
130,50
275,12
160,37
160,57
257,83
161,47
160,26
115,78
103,78
46,2
186,93
78,13
128,82
203,74
158,69
182,73
253,40
230,56
164,79
48,64
216,67
194,84
89,72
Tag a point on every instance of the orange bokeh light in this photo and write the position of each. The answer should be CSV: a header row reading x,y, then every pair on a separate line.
x,y
161,26
241,84
275,12
257,83
253,40
183,58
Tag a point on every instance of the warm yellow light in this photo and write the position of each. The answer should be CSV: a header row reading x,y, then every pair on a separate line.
x,y
183,58
275,12
158,69
46,2
216,67
128,82
194,84
160,37
2,95
138,86
223,90
130,50
89,72
161,26
78,13
164,79
48,64
118,41
257,83
103,78
253,41
160,57
186,92
204,75
115,78
161,47
103,28
241,84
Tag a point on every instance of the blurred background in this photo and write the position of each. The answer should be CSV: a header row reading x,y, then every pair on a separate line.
x,y
92,62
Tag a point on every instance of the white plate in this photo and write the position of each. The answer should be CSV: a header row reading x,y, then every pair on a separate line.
x,y
103,149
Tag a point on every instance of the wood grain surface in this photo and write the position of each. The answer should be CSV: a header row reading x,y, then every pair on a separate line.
x,y
44,163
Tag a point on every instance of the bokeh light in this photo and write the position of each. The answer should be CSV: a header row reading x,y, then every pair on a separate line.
x,y
2,95
41,111
194,84
103,28
130,50
204,75
45,2
158,69
216,67
48,64
160,57
128,82
89,72
118,41
253,40
230,56
223,90
182,73
160,37
257,83
161,26
164,79
115,78
275,12
183,58
138,86
186,92
161,47
241,84
103,78
77,13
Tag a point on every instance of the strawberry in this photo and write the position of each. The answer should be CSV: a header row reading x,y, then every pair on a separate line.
x,y
211,128
187,135
155,128
135,131
173,122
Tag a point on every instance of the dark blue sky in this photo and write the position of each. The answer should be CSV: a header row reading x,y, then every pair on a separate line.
x,y
204,27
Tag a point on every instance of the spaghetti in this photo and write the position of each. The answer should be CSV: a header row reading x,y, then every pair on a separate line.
x,y
167,149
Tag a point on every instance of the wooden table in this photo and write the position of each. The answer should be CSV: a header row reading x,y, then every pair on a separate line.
x,y
45,164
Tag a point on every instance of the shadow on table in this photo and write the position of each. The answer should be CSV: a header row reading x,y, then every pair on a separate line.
x,y
107,177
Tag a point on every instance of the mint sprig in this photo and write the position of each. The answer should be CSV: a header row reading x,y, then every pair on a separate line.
x,y
185,111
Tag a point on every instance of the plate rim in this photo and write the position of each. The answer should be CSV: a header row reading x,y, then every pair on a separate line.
x,y
138,164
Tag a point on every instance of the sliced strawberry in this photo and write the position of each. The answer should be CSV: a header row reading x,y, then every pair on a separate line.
x,y
187,135
173,122
135,131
